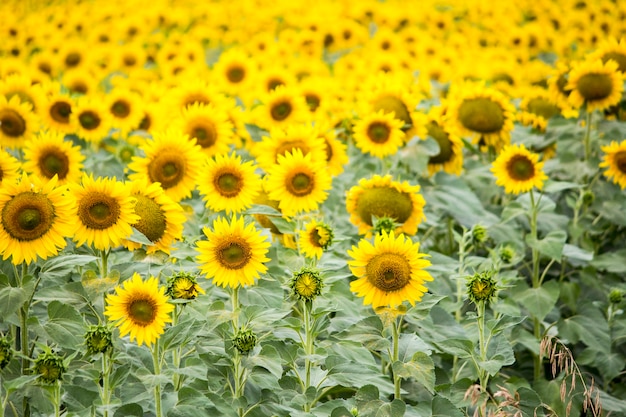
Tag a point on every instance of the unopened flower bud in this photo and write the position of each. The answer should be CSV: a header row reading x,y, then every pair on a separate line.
x,y
244,341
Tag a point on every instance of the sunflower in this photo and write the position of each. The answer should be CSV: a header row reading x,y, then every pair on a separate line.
x,y
482,113
209,126
90,119
389,272
161,220
518,170
234,71
194,92
379,134
595,84
173,160
234,254
124,107
298,182
17,122
9,168
35,219
24,87
229,184
336,150
280,107
104,212
380,197
450,156
614,160
55,112
612,49
140,308
49,155
315,239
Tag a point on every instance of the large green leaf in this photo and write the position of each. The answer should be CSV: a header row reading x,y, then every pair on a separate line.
x,y
421,368
551,245
11,299
540,301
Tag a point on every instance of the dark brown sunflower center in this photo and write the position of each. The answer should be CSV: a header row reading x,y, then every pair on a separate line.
x,y
146,122
72,59
542,107
316,239
60,112
228,184
98,211
389,103
617,57
290,146
235,74
300,184
142,312
168,169
378,132
520,168
273,83
152,222
120,109
481,115
328,147
234,253
54,162
445,145
12,123
595,86
89,120
28,216
130,60
620,161
205,134
313,101
384,202
561,82
281,110
193,98
388,272
78,87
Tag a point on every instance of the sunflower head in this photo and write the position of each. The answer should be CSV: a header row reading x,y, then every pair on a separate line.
x,y
244,341
306,284
98,339
518,170
507,254
481,287
385,225
183,286
6,352
615,297
480,234
49,366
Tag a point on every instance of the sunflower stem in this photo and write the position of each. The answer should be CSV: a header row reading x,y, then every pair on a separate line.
x,y
57,399
308,348
106,384
534,208
24,343
238,372
482,344
176,352
459,290
395,328
587,138
156,362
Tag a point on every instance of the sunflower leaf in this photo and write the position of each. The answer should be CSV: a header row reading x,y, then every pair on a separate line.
x,y
551,246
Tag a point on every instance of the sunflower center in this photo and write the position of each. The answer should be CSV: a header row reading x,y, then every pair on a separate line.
x,y
235,74
228,184
378,132
28,216
595,86
384,202
388,272
389,103
313,101
89,120
152,222
12,123
445,145
193,98
300,184
120,109
205,135
234,253
98,211
290,146
60,112
481,115
561,82
54,162
281,110
72,59
142,312
168,169
146,122
542,107
620,161
520,168
617,57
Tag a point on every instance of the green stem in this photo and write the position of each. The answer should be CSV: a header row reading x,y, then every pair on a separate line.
x,y
106,384
308,348
538,369
24,342
104,272
238,372
587,138
482,344
396,353
156,362
176,352
57,399
459,290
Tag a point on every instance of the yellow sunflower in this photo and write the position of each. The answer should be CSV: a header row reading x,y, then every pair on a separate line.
x,y
482,113
298,182
234,71
450,156
140,308
612,49
315,239
389,272
379,134
336,150
17,122
518,170
614,160
49,155
595,84
35,219
55,112
125,109
234,254
90,119
104,212
380,197
173,160
280,107
209,126
9,168
161,220
228,184
24,87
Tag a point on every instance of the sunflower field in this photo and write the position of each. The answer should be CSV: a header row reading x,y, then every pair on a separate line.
x,y
312,209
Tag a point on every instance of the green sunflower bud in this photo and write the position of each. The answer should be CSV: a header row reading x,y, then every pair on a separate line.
x,y
306,284
183,286
507,253
98,339
616,296
244,341
479,234
384,224
481,287
588,198
50,367
6,353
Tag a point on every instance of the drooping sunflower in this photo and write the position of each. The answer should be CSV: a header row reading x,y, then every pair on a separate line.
x,y
209,126
139,308
104,212
17,122
298,182
55,112
90,119
173,160
614,160
450,156
595,85
315,239
161,220
379,134
227,183
518,170
482,113
49,154
380,197
9,168
234,254
390,271
35,219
